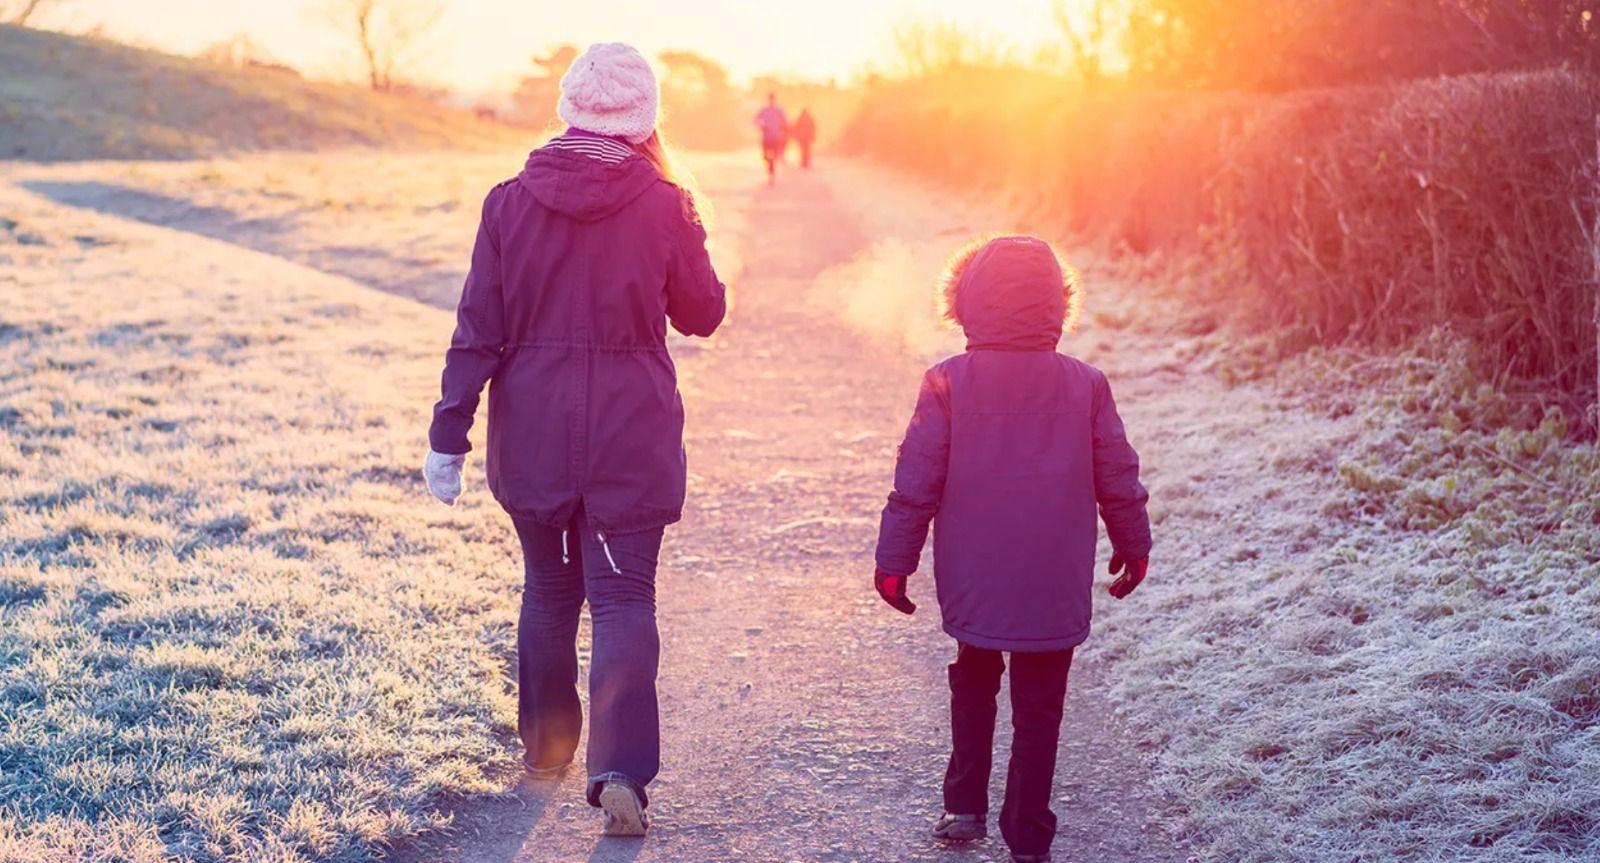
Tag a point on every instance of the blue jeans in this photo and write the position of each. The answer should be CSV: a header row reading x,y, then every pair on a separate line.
x,y
624,734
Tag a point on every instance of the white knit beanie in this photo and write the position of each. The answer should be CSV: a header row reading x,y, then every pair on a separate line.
x,y
611,90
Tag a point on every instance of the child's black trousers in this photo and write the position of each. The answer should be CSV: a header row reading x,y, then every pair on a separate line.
x,y
1038,694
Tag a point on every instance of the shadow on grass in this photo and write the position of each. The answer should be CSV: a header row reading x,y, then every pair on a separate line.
x,y
156,209
488,829
385,268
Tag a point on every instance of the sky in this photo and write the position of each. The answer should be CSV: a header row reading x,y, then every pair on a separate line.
x,y
485,45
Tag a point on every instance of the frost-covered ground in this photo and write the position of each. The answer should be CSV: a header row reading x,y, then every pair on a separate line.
x,y
234,628
229,631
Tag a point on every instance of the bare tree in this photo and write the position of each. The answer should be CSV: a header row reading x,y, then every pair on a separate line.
x,y
238,50
17,12
929,48
388,33
1092,30
703,108
534,102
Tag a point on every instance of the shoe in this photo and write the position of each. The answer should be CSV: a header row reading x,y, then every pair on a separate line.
x,y
960,828
1030,858
623,810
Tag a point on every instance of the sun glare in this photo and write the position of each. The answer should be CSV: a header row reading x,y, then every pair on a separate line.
x,y
398,461
486,43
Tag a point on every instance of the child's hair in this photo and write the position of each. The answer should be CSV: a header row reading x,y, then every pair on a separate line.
x,y
956,266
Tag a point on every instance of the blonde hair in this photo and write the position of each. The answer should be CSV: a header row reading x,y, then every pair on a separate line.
x,y
949,282
655,151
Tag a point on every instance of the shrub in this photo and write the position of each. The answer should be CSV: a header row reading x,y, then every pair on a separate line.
x,y
1372,214
1461,202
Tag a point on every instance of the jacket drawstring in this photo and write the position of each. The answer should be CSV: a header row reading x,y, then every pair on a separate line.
x,y
565,558
601,535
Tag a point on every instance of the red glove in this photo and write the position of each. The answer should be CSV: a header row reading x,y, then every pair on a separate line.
x,y
893,590
1130,579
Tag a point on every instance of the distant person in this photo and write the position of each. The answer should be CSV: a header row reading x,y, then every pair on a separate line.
x,y
804,132
581,261
1011,449
774,128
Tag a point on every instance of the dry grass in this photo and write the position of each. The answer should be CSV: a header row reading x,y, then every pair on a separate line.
x,y
1465,203
69,97
229,630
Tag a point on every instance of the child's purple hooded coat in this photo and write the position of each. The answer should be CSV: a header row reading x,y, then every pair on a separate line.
x,y
577,267
1011,449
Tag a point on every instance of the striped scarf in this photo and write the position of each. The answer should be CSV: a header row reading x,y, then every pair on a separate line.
x,y
599,148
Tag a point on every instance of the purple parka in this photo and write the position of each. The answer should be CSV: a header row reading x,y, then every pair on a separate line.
x,y
1011,449
577,268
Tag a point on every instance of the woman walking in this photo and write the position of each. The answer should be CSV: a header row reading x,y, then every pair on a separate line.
x,y
580,262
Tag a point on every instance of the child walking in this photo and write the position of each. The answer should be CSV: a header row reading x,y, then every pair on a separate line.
x,y
1011,450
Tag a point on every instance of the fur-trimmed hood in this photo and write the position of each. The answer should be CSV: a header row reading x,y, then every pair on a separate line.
x,y
1010,293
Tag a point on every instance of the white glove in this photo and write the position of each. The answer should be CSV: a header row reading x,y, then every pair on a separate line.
x,y
443,474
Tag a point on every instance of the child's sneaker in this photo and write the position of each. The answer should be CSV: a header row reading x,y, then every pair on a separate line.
x,y
960,828
623,809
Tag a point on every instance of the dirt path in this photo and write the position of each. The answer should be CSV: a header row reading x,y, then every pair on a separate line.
x,y
802,719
